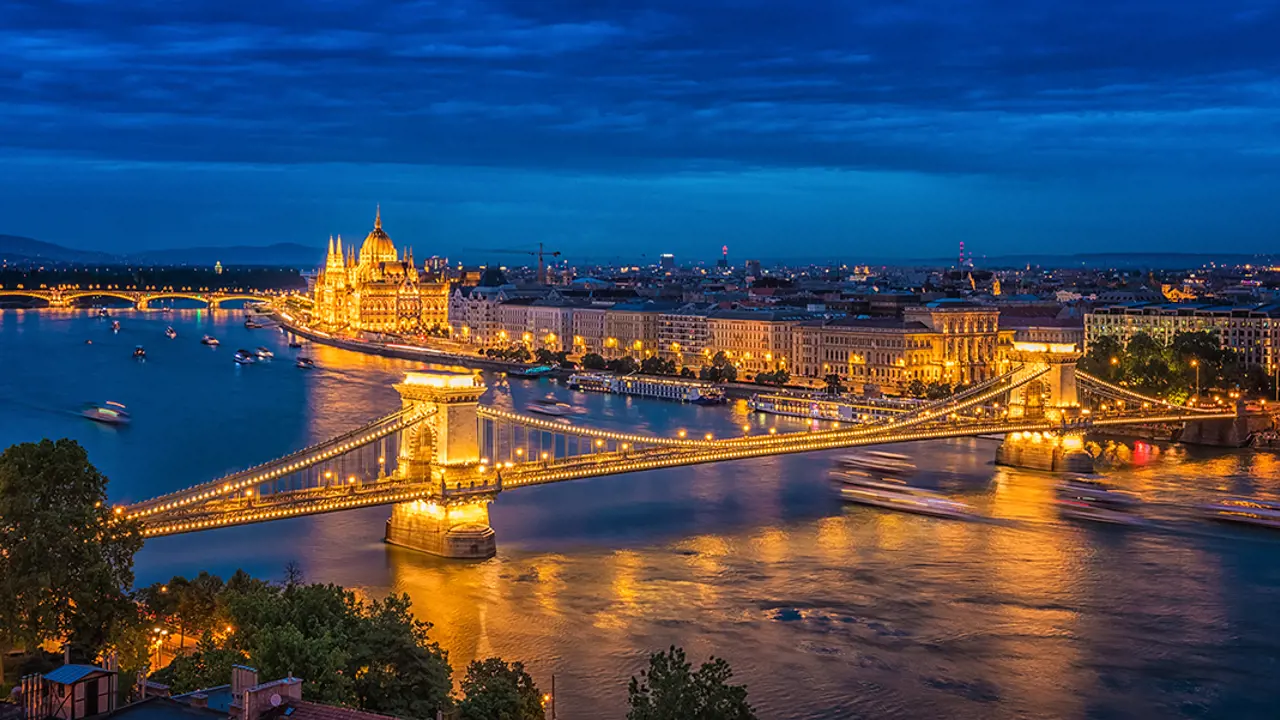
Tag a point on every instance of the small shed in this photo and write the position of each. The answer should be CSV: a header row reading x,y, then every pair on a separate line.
x,y
70,692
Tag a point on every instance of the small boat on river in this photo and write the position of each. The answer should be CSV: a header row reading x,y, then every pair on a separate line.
x,y
550,406
263,353
1245,511
1081,498
878,479
108,413
139,353
305,363
244,357
170,332
115,326
209,340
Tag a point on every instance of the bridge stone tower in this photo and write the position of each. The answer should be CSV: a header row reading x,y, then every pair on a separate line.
x,y
1053,397
444,451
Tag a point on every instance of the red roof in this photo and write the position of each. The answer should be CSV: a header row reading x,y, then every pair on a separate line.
x,y
303,710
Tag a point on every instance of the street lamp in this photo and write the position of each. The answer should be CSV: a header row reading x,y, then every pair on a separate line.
x,y
1195,363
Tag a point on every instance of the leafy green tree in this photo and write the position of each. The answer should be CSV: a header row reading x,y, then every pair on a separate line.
x,y
657,366
778,377
207,666
494,690
371,655
834,385
1098,360
625,365
916,388
594,361
938,390
671,690
67,558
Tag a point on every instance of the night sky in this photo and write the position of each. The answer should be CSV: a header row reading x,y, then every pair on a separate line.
x,y
785,128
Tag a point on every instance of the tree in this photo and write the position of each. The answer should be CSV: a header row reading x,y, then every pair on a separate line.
x,y
657,366
494,690
370,655
834,385
916,388
594,361
68,558
671,690
938,390
625,365
777,377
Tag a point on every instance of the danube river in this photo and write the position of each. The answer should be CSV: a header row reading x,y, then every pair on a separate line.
x,y
825,611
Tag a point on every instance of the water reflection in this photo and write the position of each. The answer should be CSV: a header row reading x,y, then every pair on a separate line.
x,y
826,611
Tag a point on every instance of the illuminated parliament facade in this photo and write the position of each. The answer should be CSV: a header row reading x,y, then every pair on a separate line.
x,y
377,290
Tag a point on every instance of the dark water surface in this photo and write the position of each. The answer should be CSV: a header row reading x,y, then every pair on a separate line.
x,y
826,611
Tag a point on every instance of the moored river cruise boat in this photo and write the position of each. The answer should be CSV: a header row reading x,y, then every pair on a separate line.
x,y
818,407
690,391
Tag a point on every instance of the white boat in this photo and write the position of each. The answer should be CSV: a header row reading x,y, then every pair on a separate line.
x,y
1246,511
905,499
109,413
115,326
550,406
209,340
305,363
244,357
253,324
263,353
818,407
170,332
691,391
878,479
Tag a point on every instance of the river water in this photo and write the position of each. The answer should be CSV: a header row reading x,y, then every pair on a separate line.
x,y
824,610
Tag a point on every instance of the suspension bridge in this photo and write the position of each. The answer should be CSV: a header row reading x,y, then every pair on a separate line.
x,y
141,299
442,457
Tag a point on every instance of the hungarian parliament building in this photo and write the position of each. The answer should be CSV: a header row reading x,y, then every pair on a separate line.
x,y
377,290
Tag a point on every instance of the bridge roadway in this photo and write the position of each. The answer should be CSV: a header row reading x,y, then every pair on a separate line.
x,y
184,503
139,298
488,481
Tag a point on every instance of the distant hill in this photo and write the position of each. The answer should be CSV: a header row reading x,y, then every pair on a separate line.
x,y
18,250
286,254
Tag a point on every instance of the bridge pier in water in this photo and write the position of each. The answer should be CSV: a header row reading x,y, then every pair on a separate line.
x,y
444,450
1053,396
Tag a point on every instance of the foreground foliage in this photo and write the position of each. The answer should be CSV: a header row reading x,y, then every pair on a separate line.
x,y
66,560
494,690
670,689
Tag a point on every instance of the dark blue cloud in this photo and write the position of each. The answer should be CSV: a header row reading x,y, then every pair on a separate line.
x,y
1034,92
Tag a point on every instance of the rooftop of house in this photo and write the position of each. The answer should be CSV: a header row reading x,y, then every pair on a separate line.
x,y
159,708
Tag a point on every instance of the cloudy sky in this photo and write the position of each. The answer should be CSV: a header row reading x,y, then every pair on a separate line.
x,y
784,128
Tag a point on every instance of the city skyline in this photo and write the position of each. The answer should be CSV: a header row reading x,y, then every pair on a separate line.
x,y
822,131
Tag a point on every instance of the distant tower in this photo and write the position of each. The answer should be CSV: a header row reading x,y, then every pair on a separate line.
x,y
961,263
217,268
724,258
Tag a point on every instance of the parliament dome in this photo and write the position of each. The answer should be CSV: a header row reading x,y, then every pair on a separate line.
x,y
377,247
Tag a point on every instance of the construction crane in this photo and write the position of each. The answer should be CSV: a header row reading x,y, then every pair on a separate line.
x,y
540,253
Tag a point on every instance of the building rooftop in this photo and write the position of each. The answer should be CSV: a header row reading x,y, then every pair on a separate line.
x,y
158,708
219,697
303,710
71,674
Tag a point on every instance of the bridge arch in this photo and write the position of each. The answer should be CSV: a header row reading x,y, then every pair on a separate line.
x,y
46,295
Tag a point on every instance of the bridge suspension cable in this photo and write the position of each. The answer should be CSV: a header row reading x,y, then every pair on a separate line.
x,y
279,467
1102,387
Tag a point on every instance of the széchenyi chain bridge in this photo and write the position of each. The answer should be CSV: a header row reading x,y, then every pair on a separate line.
x,y
443,457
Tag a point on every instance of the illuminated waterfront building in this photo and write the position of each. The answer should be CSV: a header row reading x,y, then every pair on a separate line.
x,y
1253,331
376,290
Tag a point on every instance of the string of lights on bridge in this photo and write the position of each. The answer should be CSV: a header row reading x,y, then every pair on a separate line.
x,y
316,454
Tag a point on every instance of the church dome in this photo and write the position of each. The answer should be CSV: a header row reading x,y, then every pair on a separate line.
x,y
377,247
